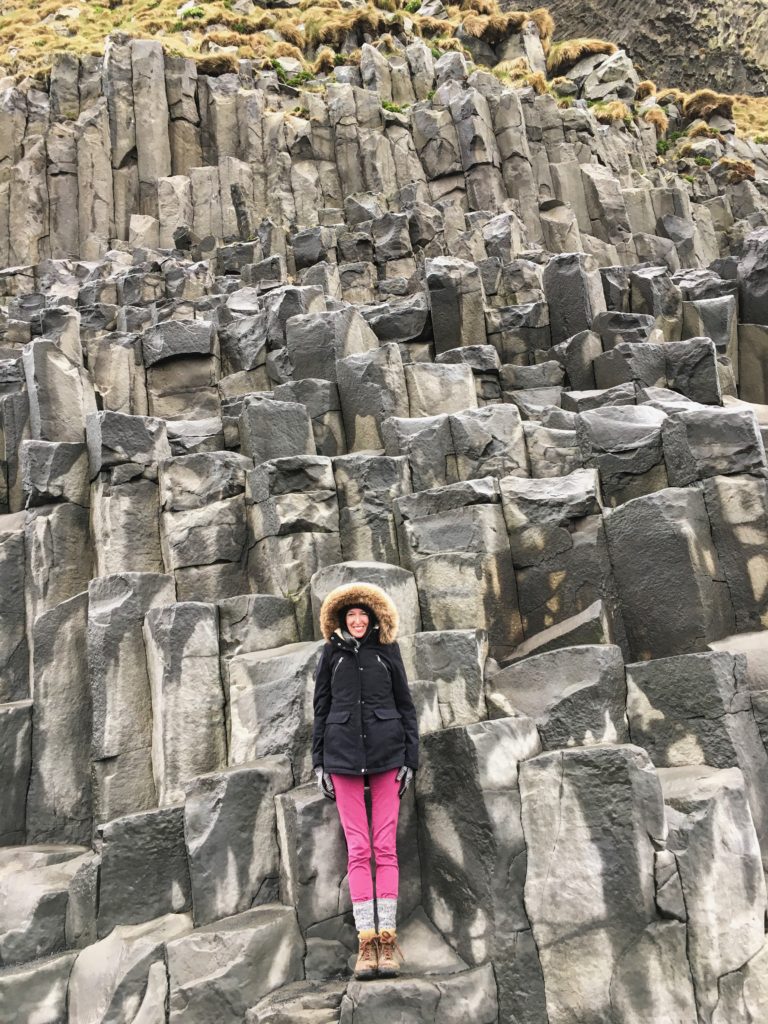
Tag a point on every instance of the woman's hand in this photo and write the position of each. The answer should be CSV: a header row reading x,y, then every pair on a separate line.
x,y
325,782
405,778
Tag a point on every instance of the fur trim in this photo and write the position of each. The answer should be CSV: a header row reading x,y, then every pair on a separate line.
x,y
360,593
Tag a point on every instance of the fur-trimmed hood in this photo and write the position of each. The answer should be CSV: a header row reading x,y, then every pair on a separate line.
x,y
360,593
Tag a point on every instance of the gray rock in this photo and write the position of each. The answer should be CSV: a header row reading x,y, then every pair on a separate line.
x,y
371,388
592,626
625,445
270,702
35,886
434,388
109,978
144,871
576,356
262,952
36,991
673,596
255,622
551,451
455,540
473,847
14,659
294,527
574,293
316,340
579,800
235,864
275,430
115,439
753,298
173,338
321,400
488,442
703,443
709,810
454,662
188,722
54,471
59,803
428,444
575,695
120,690
456,301
695,709
474,991
15,758
367,486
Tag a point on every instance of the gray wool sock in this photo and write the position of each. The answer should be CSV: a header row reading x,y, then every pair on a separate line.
x,y
387,914
363,911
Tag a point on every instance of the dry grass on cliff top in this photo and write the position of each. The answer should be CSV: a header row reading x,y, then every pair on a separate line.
x,y
211,32
31,31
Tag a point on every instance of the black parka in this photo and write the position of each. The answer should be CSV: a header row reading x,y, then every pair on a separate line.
x,y
365,721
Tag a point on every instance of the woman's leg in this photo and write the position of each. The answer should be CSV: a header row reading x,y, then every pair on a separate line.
x,y
385,809
350,800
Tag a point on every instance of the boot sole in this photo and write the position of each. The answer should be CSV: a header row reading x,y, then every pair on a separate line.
x,y
365,975
389,973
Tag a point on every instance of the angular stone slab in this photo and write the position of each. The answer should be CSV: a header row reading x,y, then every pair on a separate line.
x,y
587,905
36,993
674,599
220,970
144,871
109,979
188,720
15,762
230,833
59,802
472,848
575,695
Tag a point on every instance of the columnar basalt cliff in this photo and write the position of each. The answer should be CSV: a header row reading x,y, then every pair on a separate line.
x,y
412,322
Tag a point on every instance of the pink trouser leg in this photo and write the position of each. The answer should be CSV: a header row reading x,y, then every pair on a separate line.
x,y
350,800
385,809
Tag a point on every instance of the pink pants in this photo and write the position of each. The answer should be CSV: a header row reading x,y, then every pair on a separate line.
x,y
385,805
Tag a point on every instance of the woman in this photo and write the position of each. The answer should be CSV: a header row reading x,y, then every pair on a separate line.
x,y
365,728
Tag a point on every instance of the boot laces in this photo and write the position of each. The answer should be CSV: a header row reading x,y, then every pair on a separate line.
x,y
389,944
367,947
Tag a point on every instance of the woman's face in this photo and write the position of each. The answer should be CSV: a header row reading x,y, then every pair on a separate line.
x,y
357,622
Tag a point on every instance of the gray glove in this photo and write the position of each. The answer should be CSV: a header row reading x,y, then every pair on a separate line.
x,y
325,782
405,778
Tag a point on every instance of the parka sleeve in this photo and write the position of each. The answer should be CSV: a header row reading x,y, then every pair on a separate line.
x,y
322,704
405,706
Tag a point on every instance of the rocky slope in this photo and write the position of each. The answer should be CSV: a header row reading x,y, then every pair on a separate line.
x,y
722,44
424,325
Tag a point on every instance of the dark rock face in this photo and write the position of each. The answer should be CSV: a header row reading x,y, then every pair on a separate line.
x,y
419,329
718,44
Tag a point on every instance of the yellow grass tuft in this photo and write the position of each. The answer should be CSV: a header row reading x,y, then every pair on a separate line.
x,y
214,64
565,55
676,96
734,170
325,61
480,6
644,90
701,130
609,113
659,120
546,25
705,103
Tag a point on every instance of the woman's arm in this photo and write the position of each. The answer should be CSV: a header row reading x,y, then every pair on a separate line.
x,y
322,704
405,706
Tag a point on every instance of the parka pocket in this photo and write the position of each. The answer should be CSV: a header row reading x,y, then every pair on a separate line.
x,y
337,717
387,713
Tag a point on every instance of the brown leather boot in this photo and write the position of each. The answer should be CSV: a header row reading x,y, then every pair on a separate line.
x,y
367,955
388,953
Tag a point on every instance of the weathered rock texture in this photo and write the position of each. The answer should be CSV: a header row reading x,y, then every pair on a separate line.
x,y
483,351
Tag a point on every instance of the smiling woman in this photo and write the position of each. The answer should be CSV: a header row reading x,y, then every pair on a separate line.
x,y
365,728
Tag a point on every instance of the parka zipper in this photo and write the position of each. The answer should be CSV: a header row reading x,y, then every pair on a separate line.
x,y
364,769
